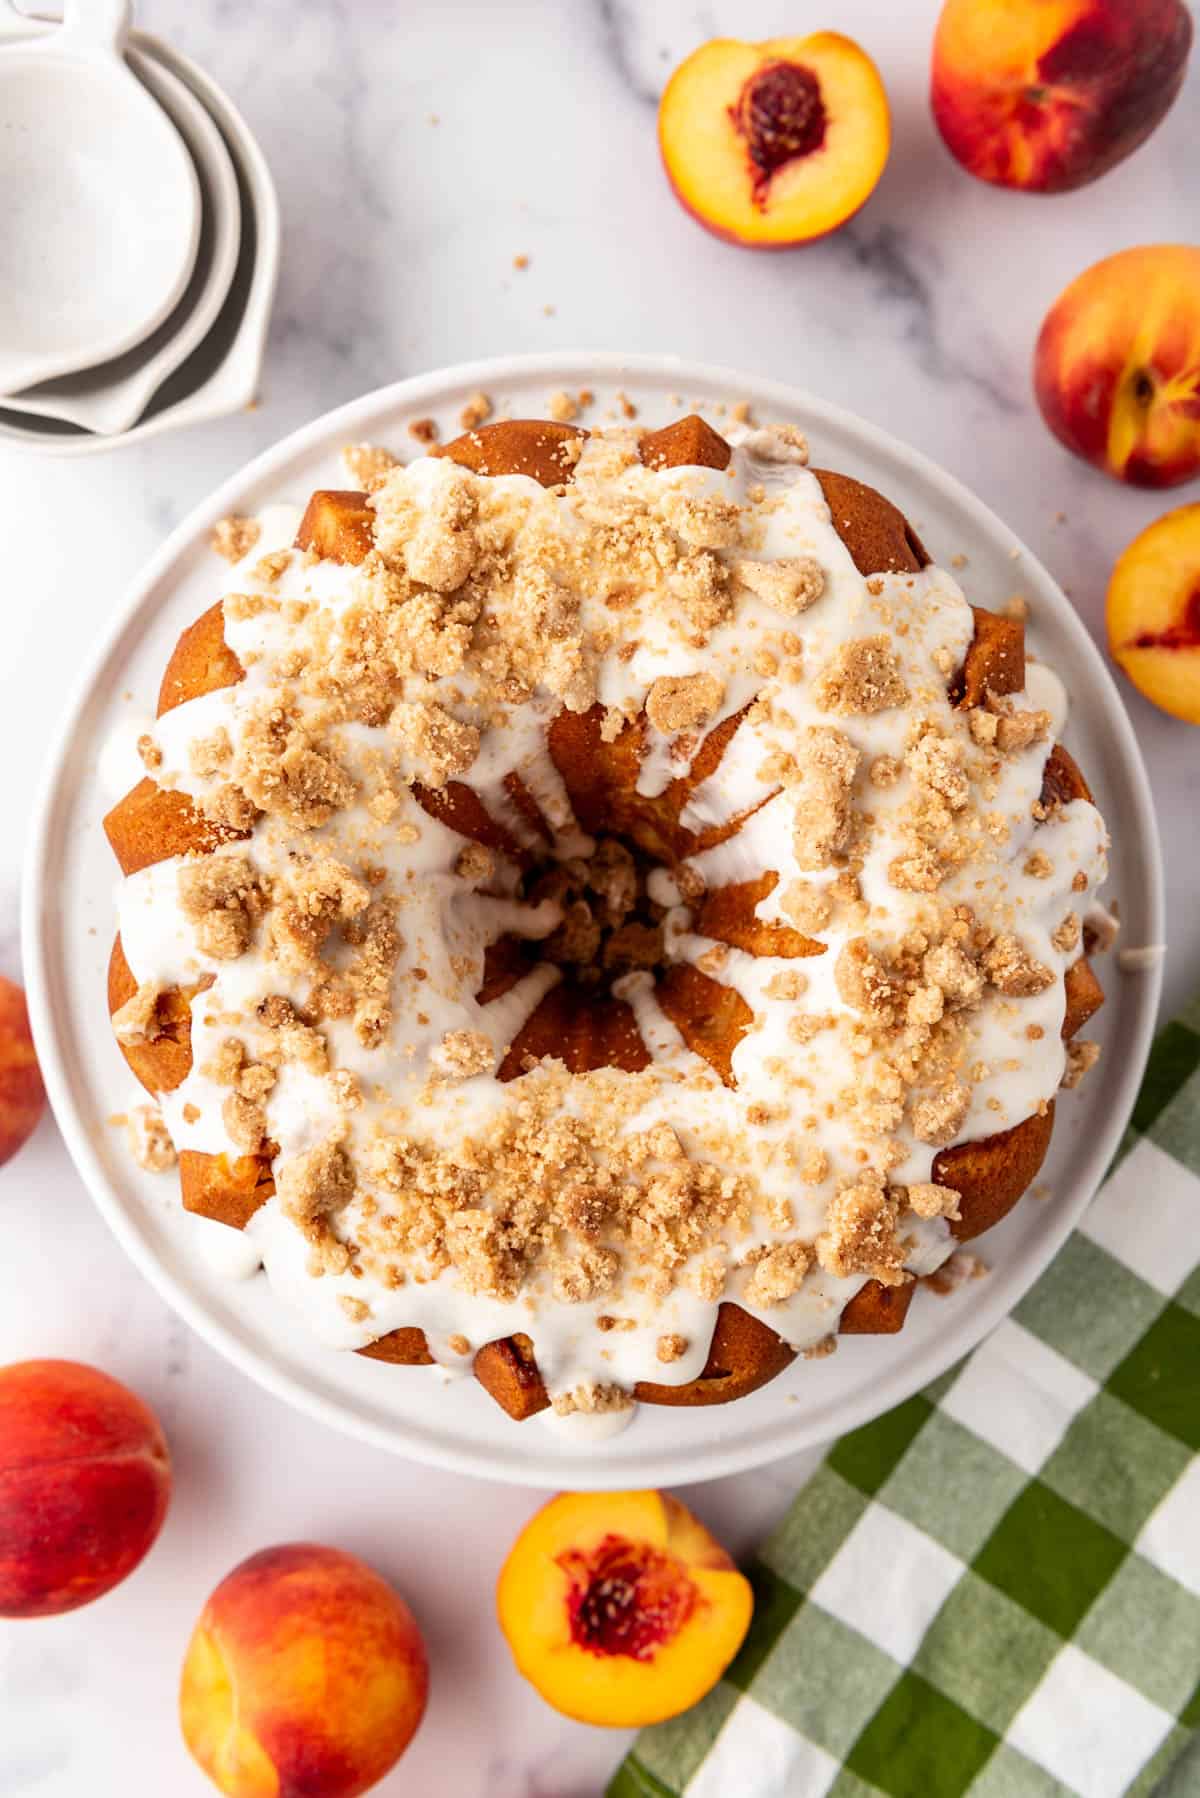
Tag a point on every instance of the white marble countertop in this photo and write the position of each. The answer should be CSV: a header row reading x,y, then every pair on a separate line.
x,y
417,150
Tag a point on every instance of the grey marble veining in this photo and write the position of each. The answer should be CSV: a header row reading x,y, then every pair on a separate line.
x,y
417,150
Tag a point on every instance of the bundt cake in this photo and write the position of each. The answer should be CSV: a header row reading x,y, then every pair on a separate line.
x,y
602,910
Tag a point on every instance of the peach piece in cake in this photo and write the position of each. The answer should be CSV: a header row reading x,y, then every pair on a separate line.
x,y
773,144
1153,613
620,1608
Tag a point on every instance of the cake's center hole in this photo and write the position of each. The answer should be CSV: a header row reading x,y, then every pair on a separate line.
x,y
611,924
626,1597
781,115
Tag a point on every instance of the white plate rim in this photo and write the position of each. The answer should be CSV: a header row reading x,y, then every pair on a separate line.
x,y
897,1377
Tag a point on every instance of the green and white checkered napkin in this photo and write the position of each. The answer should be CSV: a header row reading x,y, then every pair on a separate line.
x,y
995,1588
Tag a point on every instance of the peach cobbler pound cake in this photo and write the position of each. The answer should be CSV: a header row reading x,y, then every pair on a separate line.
x,y
602,910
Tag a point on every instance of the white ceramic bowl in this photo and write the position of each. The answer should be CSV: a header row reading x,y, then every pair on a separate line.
x,y
112,397
101,202
221,374
69,922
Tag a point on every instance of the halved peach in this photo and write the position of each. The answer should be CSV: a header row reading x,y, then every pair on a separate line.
x,y
1154,612
776,143
1117,365
620,1608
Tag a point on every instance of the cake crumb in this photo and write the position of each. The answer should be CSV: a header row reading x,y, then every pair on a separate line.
x,y
776,1273
561,407
860,679
929,1199
962,1267
476,411
938,1117
789,583
1082,1056
425,430
592,1398
464,1053
136,1021
234,537
368,465
149,1139
676,702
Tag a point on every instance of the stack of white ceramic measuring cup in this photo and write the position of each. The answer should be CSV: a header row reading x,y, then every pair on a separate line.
x,y
140,248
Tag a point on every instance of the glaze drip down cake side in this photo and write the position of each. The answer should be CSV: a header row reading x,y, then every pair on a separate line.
x,y
603,910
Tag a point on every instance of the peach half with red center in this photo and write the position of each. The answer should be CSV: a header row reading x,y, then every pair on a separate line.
x,y
84,1483
1117,365
773,144
305,1677
1046,95
1153,613
620,1608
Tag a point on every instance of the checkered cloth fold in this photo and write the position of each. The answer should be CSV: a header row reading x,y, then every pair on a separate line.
x,y
994,1589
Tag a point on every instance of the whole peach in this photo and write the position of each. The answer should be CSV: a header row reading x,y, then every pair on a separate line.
x,y
306,1674
22,1095
1117,365
1047,95
84,1484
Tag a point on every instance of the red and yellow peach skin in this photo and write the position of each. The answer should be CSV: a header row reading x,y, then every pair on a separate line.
x,y
84,1483
305,1677
1117,365
1046,95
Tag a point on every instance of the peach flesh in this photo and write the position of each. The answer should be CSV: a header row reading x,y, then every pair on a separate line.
x,y
1153,612
626,1597
1184,634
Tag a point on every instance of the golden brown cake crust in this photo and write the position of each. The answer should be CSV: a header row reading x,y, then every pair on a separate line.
x,y
151,824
